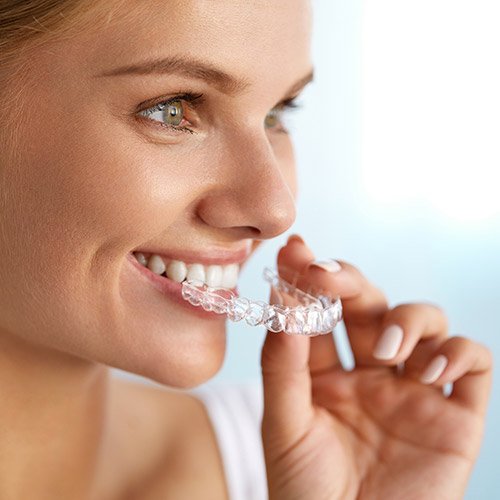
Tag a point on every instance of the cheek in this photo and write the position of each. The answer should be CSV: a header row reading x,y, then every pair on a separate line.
x,y
76,203
97,186
78,197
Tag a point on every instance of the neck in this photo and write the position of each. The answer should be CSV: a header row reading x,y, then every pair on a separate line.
x,y
52,423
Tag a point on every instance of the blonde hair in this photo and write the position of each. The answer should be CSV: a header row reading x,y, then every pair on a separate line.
x,y
27,24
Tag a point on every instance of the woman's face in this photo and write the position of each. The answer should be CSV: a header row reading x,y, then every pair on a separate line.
x,y
97,173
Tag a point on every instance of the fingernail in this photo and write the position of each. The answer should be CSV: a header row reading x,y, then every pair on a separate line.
x,y
434,370
389,343
294,237
330,265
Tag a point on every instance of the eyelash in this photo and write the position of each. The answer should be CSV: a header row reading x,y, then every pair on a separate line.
x,y
195,100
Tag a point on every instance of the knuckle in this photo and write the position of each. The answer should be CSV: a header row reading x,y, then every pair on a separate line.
x,y
379,298
401,309
436,308
348,266
354,272
461,341
487,353
431,316
490,358
440,315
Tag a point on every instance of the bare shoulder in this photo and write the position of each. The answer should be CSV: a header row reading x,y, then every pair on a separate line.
x,y
170,442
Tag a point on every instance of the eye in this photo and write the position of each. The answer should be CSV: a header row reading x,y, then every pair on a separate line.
x,y
274,119
171,112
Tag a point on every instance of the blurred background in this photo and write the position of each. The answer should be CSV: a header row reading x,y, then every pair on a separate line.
x,y
397,145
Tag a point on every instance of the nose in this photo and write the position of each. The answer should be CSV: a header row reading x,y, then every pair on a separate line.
x,y
251,196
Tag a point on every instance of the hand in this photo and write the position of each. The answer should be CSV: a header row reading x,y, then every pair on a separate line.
x,y
375,432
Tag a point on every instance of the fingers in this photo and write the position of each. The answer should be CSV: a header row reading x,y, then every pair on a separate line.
x,y
363,304
323,354
403,327
286,383
361,299
413,334
292,258
468,365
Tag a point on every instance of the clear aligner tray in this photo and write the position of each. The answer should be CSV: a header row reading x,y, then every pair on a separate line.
x,y
318,314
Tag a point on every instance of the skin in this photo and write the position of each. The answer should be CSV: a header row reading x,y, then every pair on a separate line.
x,y
373,432
85,182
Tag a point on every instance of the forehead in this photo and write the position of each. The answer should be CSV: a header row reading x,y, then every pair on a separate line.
x,y
249,38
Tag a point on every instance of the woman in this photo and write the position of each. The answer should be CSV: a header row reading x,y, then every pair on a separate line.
x,y
134,129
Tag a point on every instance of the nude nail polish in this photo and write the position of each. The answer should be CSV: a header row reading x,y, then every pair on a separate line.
x,y
434,369
330,265
389,343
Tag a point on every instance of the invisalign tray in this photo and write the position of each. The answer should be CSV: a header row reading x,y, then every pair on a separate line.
x,y
317,315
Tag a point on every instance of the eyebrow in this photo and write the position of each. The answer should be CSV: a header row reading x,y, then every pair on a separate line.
x,y
198,70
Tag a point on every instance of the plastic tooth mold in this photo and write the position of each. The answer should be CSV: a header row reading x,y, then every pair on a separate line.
x,y
318,314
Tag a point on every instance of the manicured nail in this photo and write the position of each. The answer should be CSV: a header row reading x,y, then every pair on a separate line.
x,y
434,370
330,265
294,237
389,343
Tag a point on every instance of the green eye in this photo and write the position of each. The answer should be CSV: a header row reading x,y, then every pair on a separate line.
x,y
272,119
173,113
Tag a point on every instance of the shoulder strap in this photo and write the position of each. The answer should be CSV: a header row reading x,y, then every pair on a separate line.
x,y
235,411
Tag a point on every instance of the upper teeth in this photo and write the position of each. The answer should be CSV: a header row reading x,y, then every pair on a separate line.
x,y
213,275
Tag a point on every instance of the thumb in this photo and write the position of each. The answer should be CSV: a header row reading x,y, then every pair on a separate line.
x,y
286,381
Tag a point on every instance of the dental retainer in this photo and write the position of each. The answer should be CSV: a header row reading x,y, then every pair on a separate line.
x,y
318,313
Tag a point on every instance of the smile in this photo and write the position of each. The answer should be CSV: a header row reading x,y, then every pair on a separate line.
x,y
173,289
225,276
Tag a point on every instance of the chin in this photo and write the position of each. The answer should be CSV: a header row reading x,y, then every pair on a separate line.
x,y
158,337
184,360
192,374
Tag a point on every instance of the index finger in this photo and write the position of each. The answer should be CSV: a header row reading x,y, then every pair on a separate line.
x,y
293,257
364,305
361,300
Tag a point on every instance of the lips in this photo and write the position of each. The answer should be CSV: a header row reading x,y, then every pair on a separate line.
x,y
214,257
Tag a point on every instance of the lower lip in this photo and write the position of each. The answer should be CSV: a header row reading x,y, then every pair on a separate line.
x,y
173,290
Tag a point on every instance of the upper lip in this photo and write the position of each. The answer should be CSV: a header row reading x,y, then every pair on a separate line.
x,y
220,256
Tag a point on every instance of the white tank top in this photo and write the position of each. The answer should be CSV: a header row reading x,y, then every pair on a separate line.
x,y
235,410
